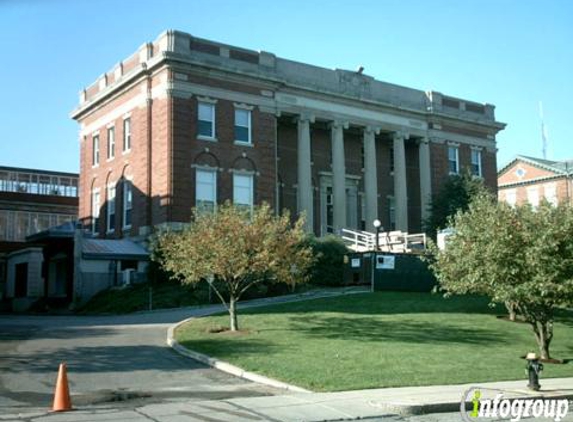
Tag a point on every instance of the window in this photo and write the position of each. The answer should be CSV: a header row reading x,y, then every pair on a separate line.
x,y
243,191
127,203
453,160
550,191
511,197
207,120
127,135
111,208
110,143
476,163
533,196
96,204
391,160
242,126
206,190
392,212
95,150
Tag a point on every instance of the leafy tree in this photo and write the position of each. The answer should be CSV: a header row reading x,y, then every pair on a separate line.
x,y
236,251
519,256
454,195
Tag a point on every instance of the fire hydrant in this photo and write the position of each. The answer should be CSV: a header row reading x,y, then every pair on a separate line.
x,y
533,368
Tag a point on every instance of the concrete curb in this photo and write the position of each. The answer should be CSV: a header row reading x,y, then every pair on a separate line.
x,y
235,370
225,366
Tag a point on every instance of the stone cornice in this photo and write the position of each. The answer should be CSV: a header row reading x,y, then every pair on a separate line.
x,y
262,77
535,181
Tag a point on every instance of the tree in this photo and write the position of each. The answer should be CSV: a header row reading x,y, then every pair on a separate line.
x,y
235,251
454,195
519,256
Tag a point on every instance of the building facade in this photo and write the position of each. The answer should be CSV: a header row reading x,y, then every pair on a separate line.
x,y
31,201
187,122
527,180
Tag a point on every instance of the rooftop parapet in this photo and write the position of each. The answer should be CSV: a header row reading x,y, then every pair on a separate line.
x,y
180,46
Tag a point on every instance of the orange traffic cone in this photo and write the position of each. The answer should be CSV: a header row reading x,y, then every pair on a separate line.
x,y
62,400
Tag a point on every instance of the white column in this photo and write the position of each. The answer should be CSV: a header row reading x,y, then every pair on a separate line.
x,y
338,176
425,178
370,177
304,179
400,186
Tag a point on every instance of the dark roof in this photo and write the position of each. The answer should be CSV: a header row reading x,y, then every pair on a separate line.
x,y
65,230
564,167
39,171
113,249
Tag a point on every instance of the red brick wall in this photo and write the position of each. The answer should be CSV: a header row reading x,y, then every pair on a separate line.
x,y
133,164
189,150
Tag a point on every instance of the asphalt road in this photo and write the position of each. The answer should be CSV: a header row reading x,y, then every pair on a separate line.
x,y
108,359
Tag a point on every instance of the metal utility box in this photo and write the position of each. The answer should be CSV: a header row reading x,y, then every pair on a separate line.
x,y
389,271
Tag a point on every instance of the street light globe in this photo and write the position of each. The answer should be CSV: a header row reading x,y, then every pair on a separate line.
x,y
377,223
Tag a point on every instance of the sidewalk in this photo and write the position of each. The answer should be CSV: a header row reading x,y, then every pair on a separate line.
x,y
310,407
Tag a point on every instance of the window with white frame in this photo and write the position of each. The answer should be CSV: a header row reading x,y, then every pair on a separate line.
x,y
206,190
110,208
476,163
453,159
243,125
127,203
511,197
127,134
206,120
533,196
95,150
550,191
96,204
110,143
243,191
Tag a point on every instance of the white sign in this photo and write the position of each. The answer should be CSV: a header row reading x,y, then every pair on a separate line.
x,y
385,262
355,263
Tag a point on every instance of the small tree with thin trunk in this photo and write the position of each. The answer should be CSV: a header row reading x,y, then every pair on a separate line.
x,y
519,256
235,251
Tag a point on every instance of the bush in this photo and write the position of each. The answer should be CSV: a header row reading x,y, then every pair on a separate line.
x,y
328,268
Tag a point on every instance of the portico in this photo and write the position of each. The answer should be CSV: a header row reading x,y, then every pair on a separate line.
x,y
347,197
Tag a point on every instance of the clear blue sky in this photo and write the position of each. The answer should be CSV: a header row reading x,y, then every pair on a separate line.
x,y
509,53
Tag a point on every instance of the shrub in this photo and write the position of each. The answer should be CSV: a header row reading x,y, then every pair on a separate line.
x,y
328,268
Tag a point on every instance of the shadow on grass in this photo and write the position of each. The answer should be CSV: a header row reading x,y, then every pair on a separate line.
x,y
231,348
368,329
385,303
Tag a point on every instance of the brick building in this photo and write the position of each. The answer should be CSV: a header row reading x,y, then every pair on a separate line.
x,y
31,201
189,122
529,180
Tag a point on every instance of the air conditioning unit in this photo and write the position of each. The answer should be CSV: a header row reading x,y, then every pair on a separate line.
x,y
128,276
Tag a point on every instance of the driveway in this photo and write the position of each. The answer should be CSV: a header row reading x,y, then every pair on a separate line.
x,y
113,358
108,359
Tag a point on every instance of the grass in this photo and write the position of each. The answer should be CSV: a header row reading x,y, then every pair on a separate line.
x,y
136,298
384,339
168,294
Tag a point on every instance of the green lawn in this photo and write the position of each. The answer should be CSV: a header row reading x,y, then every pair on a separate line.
x,y
383,339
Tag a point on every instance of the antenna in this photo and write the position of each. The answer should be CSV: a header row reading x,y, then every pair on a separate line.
x,y
543,132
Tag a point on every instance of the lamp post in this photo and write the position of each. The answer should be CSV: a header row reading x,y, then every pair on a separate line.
x,y
377,224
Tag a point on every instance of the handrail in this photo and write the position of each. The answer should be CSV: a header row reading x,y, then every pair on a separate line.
x,y
393,241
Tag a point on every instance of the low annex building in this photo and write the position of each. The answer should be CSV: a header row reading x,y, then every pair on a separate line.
x,y
187,122
31,201
529,180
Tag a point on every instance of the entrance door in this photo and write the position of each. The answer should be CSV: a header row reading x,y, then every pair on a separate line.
x,y
21,285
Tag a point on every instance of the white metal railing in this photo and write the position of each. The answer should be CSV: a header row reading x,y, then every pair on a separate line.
x,y
393,241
